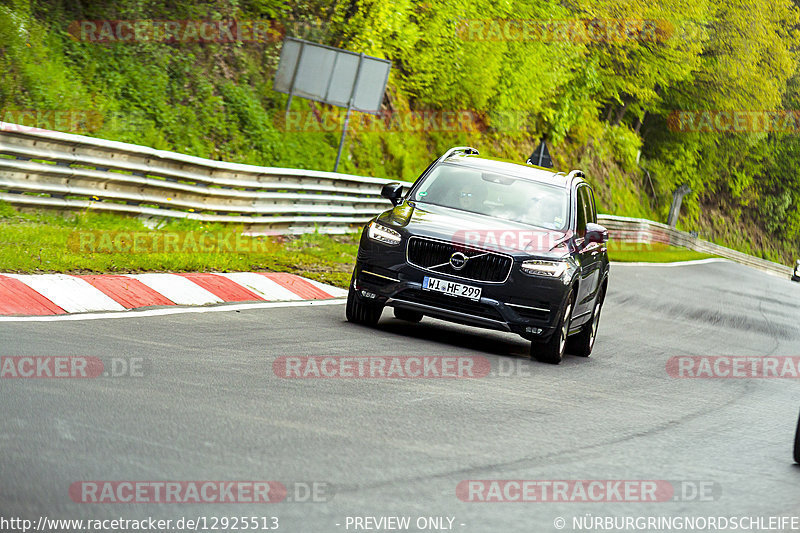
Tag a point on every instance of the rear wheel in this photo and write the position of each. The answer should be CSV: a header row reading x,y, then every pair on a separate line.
x,y
360,312
582,343
552,350
407,314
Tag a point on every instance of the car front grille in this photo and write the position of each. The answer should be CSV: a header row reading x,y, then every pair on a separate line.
x,y
481,265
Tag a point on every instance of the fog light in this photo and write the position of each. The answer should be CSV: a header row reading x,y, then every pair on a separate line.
x,y
535,331
367,294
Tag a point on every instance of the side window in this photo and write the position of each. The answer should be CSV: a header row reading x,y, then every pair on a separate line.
x,y
580,227
591,209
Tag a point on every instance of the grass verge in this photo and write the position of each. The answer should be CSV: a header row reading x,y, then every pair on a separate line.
x,y
101,243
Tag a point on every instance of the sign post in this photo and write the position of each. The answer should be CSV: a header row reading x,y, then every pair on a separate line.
x,y
332,76
347,115
677,200
541,156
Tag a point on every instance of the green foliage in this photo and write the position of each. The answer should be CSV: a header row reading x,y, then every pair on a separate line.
x,y
603,102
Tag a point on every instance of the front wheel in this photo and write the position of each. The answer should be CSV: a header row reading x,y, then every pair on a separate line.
x,y
552,350
360,312
582,343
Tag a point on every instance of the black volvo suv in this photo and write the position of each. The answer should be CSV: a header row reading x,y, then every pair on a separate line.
x,y
488,243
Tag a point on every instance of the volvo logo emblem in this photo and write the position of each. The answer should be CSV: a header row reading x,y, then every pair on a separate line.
x,y
458,260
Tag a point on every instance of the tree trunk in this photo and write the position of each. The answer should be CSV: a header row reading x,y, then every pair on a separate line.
x,y
639,122
620,114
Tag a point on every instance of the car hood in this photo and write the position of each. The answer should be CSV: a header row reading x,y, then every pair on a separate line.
x,y
472,229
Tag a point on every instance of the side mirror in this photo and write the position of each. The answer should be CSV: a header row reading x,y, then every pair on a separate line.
x,y
596,233
393,192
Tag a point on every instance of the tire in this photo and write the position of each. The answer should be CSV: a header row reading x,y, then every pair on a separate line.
x,y
359,312
797,443
581,344
552,350
407,314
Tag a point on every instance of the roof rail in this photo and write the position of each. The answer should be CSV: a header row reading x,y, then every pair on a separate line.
x,y
465,149
575,173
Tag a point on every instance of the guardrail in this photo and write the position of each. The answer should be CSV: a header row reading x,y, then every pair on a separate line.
x,y
646,231
48,169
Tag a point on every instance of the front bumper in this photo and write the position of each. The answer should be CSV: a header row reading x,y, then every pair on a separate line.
x,y
523,304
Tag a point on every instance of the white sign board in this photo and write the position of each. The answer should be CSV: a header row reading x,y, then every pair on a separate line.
x,y
332,75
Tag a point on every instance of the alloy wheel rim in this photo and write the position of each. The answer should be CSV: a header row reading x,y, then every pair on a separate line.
x,y
595,322
565,328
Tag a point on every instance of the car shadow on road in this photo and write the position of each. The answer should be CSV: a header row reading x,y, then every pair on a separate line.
x,y
498,343
485,341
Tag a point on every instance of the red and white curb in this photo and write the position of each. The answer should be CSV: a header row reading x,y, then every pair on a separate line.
x,y
59,294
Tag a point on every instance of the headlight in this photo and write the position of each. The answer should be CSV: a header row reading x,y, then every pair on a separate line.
x,y
380,233
553,269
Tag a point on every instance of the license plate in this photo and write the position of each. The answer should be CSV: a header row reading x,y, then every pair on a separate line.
x,y
451,287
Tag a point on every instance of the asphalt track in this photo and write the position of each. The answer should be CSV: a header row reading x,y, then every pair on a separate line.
x,y
209,407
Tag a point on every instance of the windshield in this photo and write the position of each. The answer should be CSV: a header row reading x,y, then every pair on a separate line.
x,y
496,195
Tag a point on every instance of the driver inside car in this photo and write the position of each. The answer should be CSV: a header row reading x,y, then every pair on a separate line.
x,y
471,197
